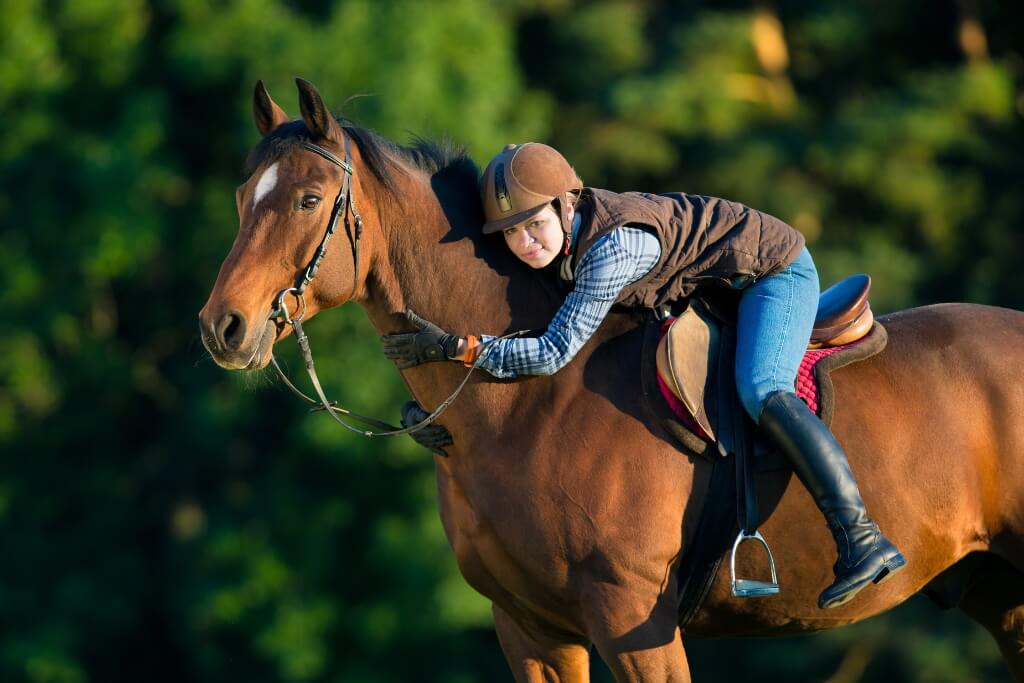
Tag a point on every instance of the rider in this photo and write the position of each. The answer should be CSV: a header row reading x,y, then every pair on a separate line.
x,y
644,250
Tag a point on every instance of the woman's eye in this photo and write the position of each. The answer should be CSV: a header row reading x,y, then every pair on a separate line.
x,y
310,201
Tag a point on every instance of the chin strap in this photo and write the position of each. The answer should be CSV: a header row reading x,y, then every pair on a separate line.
x,y
564,202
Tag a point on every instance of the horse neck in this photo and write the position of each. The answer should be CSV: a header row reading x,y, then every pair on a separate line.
x,y
430,258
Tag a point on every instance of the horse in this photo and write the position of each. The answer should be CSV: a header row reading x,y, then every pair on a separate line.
x,y
563,504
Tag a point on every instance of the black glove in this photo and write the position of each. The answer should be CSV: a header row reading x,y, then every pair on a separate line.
x,y
433,437
412,348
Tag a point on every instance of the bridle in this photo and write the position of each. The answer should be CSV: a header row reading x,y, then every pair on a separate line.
x,y
344,204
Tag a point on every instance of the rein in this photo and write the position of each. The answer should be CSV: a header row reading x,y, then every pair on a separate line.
x,y
344,204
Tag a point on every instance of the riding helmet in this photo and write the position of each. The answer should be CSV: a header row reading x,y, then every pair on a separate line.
x,y
521,180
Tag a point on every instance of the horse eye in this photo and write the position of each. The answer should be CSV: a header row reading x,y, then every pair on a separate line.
x,y
310,201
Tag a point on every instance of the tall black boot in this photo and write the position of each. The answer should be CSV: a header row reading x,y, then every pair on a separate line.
x,y
865,555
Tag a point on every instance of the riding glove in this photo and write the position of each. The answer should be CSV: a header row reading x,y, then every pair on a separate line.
x,y
430,343
433,437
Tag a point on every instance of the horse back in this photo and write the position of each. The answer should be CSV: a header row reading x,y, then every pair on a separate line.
x,y
578,489
933,433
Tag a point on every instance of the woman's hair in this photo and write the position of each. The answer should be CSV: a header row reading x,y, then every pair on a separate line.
x,y
556,203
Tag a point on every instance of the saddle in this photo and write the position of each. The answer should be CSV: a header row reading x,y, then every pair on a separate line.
x,y
689,383
690,345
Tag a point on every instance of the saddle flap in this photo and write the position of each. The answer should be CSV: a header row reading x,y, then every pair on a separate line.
x,y
687,359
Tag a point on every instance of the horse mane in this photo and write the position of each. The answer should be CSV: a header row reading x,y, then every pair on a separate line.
x,y
446,171
382,156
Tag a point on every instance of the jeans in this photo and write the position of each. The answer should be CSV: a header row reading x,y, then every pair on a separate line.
x,y
776,317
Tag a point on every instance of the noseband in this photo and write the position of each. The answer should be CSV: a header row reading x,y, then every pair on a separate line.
x,y
344,204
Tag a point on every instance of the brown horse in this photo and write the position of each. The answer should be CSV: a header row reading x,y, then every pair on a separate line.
x,y
563,506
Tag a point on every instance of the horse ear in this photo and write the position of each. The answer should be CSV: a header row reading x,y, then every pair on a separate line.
x,y
265,110
318,118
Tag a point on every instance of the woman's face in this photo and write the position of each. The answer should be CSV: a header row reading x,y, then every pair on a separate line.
x,y
538,240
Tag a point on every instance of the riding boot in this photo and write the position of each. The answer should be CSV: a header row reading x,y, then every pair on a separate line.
x,y
865,555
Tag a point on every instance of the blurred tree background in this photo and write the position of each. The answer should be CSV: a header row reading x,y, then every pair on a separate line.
x,y
164,520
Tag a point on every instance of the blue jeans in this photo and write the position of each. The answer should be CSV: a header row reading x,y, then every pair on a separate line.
x,y
776,317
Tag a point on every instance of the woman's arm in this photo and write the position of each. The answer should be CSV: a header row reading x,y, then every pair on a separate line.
x,y
620,258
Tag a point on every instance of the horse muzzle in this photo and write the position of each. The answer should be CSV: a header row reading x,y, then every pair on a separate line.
x,y
233,343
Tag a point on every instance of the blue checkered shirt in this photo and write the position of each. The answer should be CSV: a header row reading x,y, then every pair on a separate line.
x,y
613,261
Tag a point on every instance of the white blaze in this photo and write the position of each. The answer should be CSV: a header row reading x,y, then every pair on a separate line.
x,y
265,185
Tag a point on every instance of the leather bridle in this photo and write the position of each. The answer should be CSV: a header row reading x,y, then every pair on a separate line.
x,y
344,204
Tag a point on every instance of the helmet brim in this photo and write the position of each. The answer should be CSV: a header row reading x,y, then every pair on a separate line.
x,y
509,221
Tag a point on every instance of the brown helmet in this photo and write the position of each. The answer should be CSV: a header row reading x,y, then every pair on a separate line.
x,y
522,180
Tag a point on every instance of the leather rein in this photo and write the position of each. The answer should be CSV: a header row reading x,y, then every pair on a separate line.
x,y
344,204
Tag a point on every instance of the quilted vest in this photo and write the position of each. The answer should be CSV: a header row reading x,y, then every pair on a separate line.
x,y
704,240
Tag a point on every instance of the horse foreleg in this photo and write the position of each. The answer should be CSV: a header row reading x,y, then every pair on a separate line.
x,y
665,662
536,657
994,597
639,642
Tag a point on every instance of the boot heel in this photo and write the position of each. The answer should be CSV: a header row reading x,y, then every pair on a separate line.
x,y
889,568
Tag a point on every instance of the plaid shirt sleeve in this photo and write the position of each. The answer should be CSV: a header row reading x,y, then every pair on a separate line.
x,y
617,259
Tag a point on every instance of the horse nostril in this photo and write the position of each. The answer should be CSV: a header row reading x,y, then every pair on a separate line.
x,y
231,330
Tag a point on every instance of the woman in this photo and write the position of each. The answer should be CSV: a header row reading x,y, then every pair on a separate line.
x,y
639,249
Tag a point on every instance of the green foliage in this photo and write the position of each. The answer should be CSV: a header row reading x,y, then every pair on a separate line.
x,y
162,519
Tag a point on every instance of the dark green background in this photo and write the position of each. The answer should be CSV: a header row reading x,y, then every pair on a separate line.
x,y
164,520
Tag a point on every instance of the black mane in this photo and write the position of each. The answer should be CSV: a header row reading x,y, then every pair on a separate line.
x,y
380,154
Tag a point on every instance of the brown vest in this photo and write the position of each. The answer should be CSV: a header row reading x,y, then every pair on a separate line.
x,y
704,240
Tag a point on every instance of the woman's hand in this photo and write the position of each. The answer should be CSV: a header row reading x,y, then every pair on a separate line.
x,y
430,343
433,437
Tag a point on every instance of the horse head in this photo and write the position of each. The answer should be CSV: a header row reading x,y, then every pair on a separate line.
x,y
407,235
301,174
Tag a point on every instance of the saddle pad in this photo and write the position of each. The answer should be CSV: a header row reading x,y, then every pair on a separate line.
x,y
809,381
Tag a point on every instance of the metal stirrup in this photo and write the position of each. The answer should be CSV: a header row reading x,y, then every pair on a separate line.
x,y
747,516
751,588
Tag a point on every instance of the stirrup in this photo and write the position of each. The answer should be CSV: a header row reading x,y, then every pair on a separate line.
x,y
751,588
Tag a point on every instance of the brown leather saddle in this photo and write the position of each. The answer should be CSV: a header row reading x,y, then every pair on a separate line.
x,y
695,359
688,352
844,315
